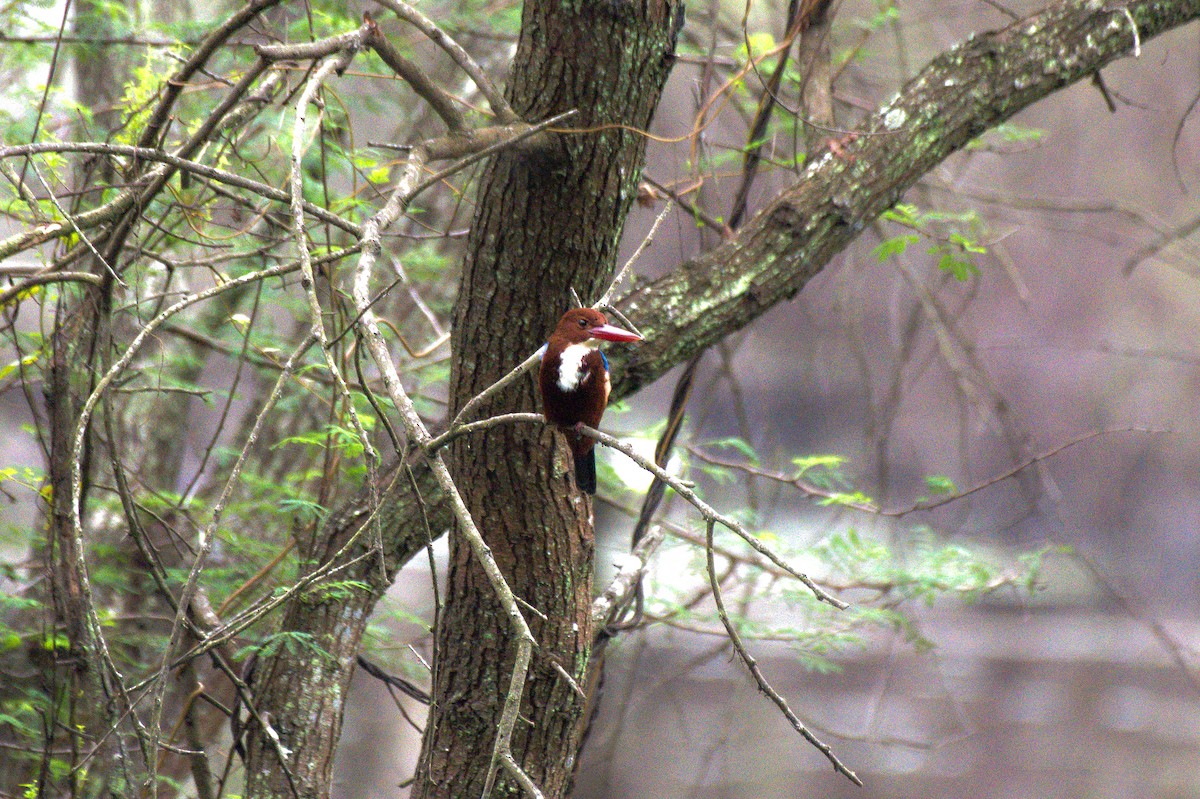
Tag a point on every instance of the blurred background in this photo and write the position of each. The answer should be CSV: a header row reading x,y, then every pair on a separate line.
x,y
1076,322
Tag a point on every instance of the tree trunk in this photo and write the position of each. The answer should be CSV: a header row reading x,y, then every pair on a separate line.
x,y
546,222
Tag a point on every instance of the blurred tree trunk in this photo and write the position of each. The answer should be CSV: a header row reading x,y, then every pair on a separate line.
x,y
70,669
83,348
100,70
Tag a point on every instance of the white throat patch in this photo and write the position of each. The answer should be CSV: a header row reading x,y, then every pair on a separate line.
x,y
570,368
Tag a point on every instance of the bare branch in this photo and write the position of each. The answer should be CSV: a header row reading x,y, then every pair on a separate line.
x,y
607,298
629,575
458,431
299,136
175,85
819,493
494,389
736,639
495,98
343,44
708,512
43,278
442,102
107,212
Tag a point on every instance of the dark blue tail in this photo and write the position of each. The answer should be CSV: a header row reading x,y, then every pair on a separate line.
x,y
585,471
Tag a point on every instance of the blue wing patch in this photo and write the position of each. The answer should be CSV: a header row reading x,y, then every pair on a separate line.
x,y
603,359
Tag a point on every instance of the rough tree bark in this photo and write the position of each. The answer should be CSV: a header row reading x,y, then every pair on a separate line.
x,y
544,224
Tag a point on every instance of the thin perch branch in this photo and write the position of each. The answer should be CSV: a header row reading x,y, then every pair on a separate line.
x,y
629,575
373,339
709,513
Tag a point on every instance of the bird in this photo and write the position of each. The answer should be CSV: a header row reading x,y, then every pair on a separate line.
x,y
574,382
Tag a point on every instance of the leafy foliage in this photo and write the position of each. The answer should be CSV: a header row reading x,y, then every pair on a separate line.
x,y
883,583
955,238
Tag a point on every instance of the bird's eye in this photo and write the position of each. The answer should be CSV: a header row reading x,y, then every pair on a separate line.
x,y
583,323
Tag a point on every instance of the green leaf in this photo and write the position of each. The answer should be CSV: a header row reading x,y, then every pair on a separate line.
x,y
335,591
940,484
808,462
55,641
294,642
305,510
961,269
968,245
9,368
903,214
847,498
759,43
1007,133
739,444
894,247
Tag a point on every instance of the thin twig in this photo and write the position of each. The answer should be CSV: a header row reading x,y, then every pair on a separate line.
x,y
1177,651
105,213
74,226
442,102
710,513
736,639
923,504
494,96
694,210
495,388
308,280
207,535
629,575
510,765
645,243
474,427
568,679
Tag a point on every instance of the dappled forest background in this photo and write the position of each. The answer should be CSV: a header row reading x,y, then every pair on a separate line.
x,y
1022,324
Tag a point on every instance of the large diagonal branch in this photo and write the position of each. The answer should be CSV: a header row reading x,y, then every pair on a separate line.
x,y
959,95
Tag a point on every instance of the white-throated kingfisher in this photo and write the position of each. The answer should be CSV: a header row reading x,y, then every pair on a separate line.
x,y
575,384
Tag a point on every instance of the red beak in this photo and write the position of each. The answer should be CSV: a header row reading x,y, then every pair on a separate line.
x,y
613,333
